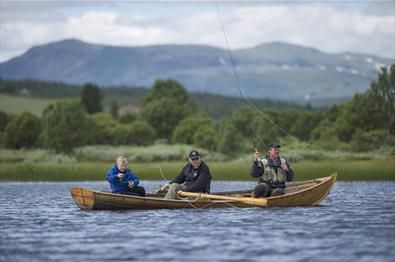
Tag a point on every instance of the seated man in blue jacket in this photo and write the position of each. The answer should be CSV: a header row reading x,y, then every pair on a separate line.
x,y
122,180
194,177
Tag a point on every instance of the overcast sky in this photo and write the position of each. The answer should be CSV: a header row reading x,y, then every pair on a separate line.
x,y
329,25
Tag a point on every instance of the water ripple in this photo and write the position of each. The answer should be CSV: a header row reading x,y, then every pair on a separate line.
x,y
355,223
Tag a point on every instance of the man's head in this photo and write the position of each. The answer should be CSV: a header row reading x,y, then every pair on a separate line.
x,y
194,158
121,163
274,150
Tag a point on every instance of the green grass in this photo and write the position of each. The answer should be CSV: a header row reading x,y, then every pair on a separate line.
x,y
94,171
18,104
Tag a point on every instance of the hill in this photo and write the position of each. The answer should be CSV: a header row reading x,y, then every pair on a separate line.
x,y
17,96
273,70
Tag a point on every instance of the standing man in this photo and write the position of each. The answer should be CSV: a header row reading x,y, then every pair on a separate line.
x,y
272,172
194,177
122,180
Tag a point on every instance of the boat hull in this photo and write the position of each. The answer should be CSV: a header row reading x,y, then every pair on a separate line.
x,y
307,193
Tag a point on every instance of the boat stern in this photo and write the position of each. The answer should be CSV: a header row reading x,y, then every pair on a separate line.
x,y
84,198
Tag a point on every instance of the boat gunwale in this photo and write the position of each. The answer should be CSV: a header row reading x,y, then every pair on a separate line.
x,y
319,181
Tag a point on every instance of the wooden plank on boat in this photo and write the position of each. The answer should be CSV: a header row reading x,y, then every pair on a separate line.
x,y
247,200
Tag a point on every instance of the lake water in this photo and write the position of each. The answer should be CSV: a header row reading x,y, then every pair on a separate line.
x,y
40,222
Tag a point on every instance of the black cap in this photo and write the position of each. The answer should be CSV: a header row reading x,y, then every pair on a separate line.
x,y
273,145
194,155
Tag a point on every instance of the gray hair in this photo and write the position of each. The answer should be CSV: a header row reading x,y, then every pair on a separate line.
x,y
121,159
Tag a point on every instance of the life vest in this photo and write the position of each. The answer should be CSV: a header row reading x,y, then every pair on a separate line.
x,y
270,175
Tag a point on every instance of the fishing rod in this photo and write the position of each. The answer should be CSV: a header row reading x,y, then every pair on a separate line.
x,y
252,105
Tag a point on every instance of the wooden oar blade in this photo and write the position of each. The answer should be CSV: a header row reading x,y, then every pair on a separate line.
x,y
247,200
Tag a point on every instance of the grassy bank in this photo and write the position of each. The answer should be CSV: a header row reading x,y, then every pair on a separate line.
x,y
350,170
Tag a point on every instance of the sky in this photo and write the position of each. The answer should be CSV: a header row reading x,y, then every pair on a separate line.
x,y
333,26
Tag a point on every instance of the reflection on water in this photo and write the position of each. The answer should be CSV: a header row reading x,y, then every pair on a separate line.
x,y
40,222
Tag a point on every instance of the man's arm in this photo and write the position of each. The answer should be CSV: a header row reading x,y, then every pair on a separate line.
x,y
256,169
111,176
132,177
290,173
180,178
202,182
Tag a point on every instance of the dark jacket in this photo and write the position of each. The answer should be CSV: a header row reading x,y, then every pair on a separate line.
x,y
257,170
119,186
196,180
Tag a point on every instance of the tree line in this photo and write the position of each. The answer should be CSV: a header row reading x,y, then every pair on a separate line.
x,y
168,115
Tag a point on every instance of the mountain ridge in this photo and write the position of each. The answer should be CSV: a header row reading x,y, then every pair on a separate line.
x,y
274,70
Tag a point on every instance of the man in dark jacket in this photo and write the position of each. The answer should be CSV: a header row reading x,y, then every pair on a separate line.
x,y
272,172
122,180
194,177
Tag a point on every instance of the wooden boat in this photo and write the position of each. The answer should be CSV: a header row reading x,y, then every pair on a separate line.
x,y
305,193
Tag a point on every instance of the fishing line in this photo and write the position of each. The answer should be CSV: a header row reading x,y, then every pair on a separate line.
x,y
153,167
252,105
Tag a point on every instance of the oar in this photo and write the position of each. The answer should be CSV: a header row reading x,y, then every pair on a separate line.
x,y
247,200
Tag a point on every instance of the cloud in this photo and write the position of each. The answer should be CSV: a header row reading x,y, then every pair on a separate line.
x,y
323,26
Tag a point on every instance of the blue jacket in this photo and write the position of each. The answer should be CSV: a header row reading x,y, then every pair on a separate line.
x,y
118,186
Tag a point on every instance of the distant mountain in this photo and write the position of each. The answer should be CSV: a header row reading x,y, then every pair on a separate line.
x,y
273,70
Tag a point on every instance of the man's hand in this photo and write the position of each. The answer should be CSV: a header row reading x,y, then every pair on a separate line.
x,y
119,176
165,187
130,184
257,155
284,167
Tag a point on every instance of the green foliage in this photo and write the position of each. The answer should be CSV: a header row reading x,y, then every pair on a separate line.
x,y
304,123
206,137
65,126
143,133
22,131
368,141
123,134
359,113
166,88
164,115
242,119
382,92
4,119
265,132
230,139
165,106
114,109
91,99
370,111
102,128
185,130
127,118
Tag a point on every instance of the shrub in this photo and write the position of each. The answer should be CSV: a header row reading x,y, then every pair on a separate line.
x,y
22,131
64,126
366,141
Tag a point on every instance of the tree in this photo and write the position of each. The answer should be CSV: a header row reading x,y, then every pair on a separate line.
x,y
265,132
143,133
114,109
382,92
103,128
185,130
230,140
366,141
165,106
22,131
4,119
206,137
91,99
304,123
372,110
64,126
167,88
242,119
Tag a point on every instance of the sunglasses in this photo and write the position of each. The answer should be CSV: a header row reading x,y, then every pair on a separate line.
x,y
195,158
